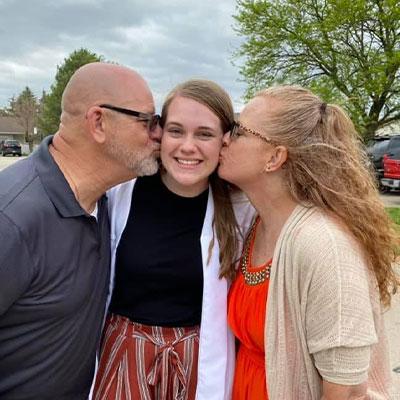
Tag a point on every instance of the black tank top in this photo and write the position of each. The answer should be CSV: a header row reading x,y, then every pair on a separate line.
x,y
158,271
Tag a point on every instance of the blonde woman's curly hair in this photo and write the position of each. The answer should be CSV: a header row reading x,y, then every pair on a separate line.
x,y
327,167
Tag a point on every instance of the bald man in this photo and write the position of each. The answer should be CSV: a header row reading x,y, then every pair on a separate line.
x,y
54,232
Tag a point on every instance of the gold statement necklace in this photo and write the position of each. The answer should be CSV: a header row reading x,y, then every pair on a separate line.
x,y
253,278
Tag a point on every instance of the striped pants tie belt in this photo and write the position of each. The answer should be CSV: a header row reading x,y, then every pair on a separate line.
x,y
167,363
140,362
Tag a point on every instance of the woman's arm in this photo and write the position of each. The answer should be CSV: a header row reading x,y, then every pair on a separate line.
x,y
333,391
340,317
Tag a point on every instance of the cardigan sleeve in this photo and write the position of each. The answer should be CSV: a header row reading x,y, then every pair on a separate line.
x,y
344,365
340,326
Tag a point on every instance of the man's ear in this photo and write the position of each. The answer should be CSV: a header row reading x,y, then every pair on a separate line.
x,y
276,158
96,124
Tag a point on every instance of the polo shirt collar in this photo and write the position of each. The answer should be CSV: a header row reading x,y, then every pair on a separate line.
x,y
54,182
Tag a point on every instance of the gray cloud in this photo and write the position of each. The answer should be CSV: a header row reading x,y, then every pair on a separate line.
x,y
166,41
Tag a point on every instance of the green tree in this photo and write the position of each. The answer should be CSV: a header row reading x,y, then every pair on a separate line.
x,y
40,113
49,119
25,107
348,51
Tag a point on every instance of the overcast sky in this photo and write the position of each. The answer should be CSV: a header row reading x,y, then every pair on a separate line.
x,y
167,41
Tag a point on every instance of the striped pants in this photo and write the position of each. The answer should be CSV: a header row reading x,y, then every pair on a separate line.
x,y
140,362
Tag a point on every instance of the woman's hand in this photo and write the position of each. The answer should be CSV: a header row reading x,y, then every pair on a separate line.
x,y
333,391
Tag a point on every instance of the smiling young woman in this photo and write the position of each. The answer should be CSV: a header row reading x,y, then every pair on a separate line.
x,y
175,240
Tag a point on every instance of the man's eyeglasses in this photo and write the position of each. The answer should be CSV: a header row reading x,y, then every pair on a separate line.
x,y
151,119
237,127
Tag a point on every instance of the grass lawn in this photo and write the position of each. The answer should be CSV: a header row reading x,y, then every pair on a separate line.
x,y
394,213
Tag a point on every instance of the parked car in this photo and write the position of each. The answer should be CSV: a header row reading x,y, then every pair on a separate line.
x,y
10,146
378,148
391,171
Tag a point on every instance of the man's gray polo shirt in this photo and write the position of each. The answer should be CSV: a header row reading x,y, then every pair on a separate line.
x,y
54,272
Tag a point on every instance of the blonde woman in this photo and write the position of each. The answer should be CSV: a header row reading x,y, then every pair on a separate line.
x,y
316,269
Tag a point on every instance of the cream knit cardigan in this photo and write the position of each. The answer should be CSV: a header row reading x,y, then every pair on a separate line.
x,y
323,313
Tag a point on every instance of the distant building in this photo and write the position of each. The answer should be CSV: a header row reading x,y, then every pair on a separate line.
x,y
11,129
392,129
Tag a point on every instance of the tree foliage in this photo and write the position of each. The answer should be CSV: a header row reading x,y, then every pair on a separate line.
x,y
348,51
51,103
25,108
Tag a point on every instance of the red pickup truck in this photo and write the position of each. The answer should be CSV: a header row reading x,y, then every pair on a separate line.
x,y
391,171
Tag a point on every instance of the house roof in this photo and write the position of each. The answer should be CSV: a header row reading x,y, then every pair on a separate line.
x,y
10,125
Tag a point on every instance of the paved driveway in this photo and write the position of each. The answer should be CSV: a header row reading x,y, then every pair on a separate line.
x,y
392,316
8,160
391,199
392,322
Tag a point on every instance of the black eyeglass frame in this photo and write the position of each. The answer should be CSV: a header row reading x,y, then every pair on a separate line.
x,y
236,126
152,119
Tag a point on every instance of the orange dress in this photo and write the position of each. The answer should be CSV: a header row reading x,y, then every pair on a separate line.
x,y
246,317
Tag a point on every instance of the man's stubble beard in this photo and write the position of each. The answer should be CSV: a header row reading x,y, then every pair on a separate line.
x,y
146,166
133,160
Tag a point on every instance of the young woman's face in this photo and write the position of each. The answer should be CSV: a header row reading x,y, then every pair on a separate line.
x,y
190,146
